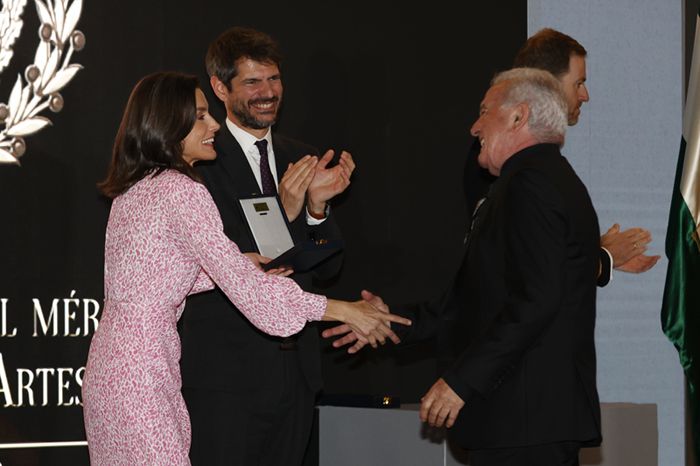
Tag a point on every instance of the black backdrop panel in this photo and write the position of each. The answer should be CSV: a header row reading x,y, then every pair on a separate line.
x,y
396,85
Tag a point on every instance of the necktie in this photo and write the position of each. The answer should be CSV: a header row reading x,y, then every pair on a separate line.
x,y
266,179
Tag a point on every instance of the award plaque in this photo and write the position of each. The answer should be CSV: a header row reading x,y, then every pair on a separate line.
x,y
268,225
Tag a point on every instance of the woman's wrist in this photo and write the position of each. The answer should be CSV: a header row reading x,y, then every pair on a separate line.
x,y
335,310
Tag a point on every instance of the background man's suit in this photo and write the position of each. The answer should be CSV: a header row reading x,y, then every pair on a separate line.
x,y
523,309
228,366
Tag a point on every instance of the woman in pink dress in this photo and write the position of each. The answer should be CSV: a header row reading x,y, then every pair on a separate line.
x,y
165,241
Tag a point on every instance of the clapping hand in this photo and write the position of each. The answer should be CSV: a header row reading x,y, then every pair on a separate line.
x,y
627,248
329,182
294,183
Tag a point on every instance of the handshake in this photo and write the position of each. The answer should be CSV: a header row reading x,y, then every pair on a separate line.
x,y
441,405
371,325
365,321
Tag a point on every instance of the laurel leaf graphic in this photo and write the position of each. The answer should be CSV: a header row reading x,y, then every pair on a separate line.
x,y
10,28
28,126
62,78
17,8
50,72
42,55
72,19
43,12
15,97
7,157
50,69
23,102
60,15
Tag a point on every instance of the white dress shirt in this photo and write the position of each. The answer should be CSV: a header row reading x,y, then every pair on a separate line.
x,y
252,154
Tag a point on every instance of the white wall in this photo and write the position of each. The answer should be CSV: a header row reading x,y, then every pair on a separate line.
x,y
625,149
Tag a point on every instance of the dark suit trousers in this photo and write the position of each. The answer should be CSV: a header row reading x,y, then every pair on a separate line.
x,y
268,428
551,454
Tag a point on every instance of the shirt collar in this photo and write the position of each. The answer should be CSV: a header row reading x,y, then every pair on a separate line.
x,y
247,140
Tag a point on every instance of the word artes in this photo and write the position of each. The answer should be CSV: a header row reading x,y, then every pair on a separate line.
x,y
65,317
58,386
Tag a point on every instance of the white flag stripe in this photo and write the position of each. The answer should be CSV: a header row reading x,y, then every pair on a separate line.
x,y
690,184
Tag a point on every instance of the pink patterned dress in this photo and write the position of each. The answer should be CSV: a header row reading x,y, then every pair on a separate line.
x,y
165,241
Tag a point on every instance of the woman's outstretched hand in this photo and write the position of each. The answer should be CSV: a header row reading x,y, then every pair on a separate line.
x,y
364,322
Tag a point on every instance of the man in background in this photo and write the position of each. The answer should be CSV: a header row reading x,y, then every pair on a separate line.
x,y
565,58
251,396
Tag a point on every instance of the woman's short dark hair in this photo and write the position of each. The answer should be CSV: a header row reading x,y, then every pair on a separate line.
x,y
160,113
236,43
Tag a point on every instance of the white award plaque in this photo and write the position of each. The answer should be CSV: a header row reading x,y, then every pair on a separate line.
x,y
267,224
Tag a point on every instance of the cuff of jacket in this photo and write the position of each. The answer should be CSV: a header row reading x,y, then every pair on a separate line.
x,y
606,266
464,391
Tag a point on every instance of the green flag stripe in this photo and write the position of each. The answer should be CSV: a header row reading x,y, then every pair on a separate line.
x,y
681,292
680,312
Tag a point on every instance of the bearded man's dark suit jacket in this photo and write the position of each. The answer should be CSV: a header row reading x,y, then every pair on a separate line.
x,y
522,310
222,352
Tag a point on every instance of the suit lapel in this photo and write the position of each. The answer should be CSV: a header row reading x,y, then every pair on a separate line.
x,y
236,166
234,163
282,155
